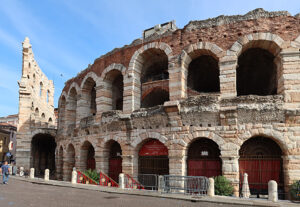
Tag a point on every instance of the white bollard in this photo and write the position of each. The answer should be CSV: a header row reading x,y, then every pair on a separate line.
x,y
245,187
10,169
122,180
272,191
21,171
160,184
211,187
31,173
74,177
46,177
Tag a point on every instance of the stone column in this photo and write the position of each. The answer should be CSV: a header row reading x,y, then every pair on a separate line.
x,y
291,170
121,181
227,65
230,169
74,177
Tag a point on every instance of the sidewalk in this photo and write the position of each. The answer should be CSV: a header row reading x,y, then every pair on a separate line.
x,y
216,199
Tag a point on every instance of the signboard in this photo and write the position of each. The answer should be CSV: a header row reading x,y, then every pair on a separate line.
x,y
153,148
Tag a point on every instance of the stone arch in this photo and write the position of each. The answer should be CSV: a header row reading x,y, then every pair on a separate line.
x,y
254,52
43,147
87,156
268,41
135,69
91,75
87,101
62,110
271,134
113,66
71,107
204,56
74,85
203,158
146,135
112,90
112,153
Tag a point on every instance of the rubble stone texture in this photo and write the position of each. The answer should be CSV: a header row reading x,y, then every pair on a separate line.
x,y
224,116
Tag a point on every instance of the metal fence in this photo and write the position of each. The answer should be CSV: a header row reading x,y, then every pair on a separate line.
x,y
196,185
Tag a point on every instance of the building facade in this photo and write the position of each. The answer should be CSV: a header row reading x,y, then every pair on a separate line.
x,y
218,97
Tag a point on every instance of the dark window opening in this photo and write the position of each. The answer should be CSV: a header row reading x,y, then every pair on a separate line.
x,y
93,100
156,97
256,73
115,161
203,74
117,92
155,66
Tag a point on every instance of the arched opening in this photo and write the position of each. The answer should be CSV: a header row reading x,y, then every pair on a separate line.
x,y
36,113
87,156
156,97
72,107
41,89
154,71
153,158
62,112
260,158
60,163
69,163
43,154
256,73
203,74
114,89
204,158
48,93
115,160
43,116
50,120
89,97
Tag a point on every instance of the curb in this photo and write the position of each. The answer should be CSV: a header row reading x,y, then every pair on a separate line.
x,y
216,199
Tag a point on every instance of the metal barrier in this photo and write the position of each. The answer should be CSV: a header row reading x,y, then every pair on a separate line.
x,y
196,185
142,181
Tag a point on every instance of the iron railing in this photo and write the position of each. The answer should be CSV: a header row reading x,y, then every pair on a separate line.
x,y
196,185
130,182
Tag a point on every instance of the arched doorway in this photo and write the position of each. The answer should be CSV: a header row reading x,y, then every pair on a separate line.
x,y
43,153
115,161
204,158
87,156
153,158
260,158
69,163
156,97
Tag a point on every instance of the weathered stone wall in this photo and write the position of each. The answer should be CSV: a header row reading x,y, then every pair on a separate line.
x,y
229,120
36,105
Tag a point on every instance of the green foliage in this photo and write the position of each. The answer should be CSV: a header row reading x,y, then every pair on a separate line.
x,y
92,174
223,186
295,191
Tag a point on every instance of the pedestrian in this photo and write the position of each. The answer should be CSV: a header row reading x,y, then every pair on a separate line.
x,y
5,172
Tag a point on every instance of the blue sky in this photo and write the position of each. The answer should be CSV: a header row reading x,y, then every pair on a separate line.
x,y
68,35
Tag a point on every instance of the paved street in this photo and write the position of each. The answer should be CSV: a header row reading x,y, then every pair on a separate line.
x,y
24,194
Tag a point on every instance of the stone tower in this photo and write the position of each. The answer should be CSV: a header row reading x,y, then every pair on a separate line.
x,y
36,108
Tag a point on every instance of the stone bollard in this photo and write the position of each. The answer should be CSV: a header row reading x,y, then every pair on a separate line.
x,y
21,171
211,187
31,173
10,169
46,177
245,187
122,180
74,177
161,184
272,191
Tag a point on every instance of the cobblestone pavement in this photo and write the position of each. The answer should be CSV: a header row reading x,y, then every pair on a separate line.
x,y
23,194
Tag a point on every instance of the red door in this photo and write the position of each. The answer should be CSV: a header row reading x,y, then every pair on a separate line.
x,y
260,172
207,168
115,168
91,164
